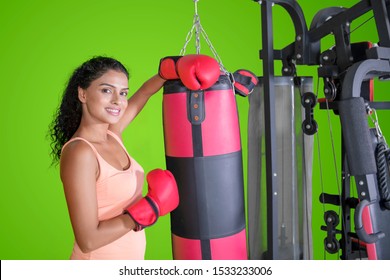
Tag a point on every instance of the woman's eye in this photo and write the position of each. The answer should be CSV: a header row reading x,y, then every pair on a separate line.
x,y
124,93
106,90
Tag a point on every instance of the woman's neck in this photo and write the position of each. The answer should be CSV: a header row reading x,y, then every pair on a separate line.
x,y
93,133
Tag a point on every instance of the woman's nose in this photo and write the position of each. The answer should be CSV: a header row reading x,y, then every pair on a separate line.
x,y
116,99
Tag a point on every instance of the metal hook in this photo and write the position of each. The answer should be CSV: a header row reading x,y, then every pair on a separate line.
x,y
375,121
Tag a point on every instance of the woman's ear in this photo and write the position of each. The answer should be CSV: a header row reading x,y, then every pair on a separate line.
x,y
82,95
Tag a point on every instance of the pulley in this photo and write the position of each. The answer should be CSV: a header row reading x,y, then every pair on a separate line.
x,y
309,101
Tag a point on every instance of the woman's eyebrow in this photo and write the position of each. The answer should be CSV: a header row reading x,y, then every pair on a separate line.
x,y
106,84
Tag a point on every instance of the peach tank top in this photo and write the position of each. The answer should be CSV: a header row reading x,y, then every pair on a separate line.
x,y
115,190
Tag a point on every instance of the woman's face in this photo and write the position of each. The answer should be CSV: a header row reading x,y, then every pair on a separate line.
x,y
105,100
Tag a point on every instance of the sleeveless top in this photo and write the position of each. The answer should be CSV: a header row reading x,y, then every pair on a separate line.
x,y
115,190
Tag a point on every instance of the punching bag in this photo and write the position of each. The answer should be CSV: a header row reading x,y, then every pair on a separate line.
x,y
203,151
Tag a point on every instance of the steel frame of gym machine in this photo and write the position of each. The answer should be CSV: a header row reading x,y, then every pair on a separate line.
x,y
347,71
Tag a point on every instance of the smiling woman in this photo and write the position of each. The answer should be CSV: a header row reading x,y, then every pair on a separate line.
x,y
108,93
102,182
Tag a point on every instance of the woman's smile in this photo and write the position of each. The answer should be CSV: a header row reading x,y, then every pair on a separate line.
x,y
113,111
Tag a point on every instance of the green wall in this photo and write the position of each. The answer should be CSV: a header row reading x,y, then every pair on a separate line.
x,y
41,42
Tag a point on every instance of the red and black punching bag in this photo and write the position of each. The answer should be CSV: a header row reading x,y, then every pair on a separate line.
x,y
203,151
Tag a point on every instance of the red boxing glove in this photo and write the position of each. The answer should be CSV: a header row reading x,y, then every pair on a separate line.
x,y
244,82
167,68
196,71
162,198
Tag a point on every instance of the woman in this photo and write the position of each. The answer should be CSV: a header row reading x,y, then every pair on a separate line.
x,y
102,182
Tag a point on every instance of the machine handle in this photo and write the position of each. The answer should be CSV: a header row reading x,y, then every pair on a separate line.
x,y
360,231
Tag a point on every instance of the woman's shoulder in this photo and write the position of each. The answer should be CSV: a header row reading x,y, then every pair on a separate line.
x,y
78,149
78,159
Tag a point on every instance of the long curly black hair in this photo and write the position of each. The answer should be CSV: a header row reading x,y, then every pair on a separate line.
x,y
68,115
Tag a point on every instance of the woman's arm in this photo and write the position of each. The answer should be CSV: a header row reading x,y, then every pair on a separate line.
x,y
137,101
79,169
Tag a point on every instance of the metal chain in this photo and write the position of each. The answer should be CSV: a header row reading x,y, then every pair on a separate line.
x,y
204,34
188,39
197,27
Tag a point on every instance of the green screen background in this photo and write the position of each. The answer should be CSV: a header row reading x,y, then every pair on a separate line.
x,y
41,42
